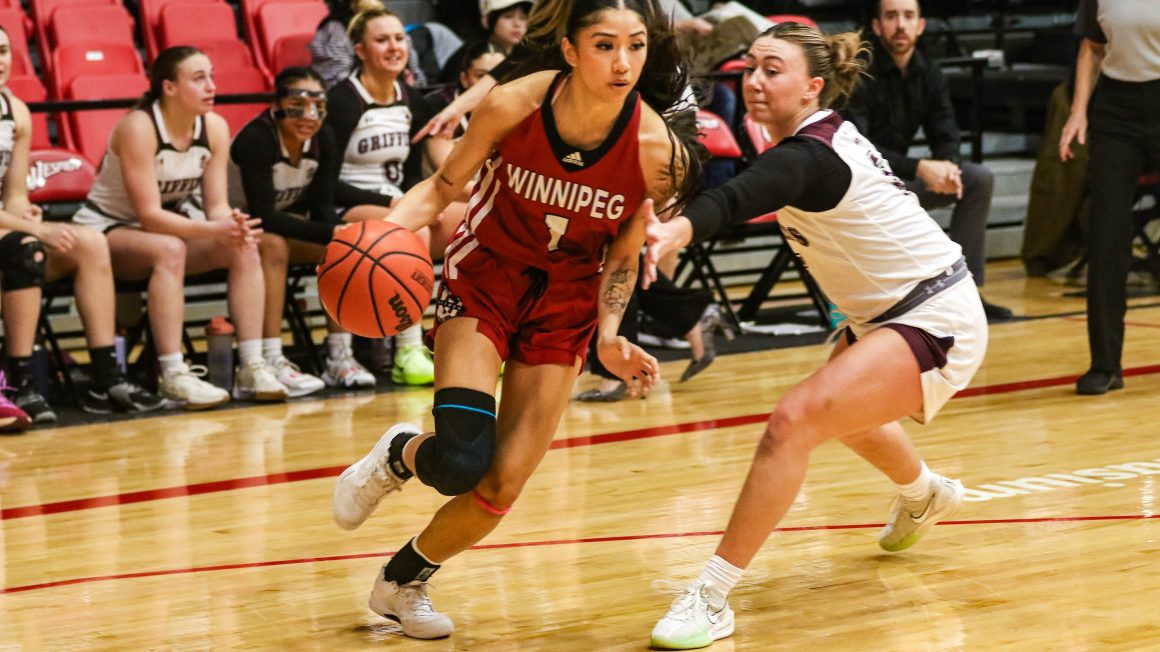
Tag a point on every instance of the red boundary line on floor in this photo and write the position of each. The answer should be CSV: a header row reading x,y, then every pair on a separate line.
x,y
551,542
216,486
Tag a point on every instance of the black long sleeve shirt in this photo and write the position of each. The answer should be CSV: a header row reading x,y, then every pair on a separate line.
x,y
255,151
890,106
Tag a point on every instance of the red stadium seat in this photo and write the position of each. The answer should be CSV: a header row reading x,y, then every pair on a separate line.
x,y
71,61
15,5
16,24
42,15
226,54
150,18
89,131
293,50
235,82
184,23
29,89
716,136
793,18
90,25
758,135
59,175
277,20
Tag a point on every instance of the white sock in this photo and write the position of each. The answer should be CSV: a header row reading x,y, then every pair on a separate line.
x,y
170,363
413,336
918,489
336,343
720,576
271,348
249,350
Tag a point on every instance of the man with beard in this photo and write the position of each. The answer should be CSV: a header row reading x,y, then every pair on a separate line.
x,y
905,91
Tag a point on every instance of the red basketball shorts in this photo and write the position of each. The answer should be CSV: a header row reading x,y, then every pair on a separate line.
x,y
528,316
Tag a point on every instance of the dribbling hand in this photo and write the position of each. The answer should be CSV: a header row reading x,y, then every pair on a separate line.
x,y
632,364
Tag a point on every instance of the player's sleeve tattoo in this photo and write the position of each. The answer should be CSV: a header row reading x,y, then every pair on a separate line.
x,y
617,291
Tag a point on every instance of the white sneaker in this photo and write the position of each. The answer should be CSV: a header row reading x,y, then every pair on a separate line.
x,y
363,484
910,519
693,621
184,386
255,380
293,379
345,371
409,606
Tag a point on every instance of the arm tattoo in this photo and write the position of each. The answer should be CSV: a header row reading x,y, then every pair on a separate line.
x,y
444,179
617,292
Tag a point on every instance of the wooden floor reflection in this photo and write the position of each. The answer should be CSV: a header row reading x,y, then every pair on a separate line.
x,y
212,531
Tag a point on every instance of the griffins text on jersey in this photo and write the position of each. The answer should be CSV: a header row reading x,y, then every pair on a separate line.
x,y
565,195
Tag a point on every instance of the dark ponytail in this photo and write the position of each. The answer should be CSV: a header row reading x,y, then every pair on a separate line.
x,y
164,68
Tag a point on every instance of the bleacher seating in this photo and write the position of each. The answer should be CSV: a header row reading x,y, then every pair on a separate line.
x,y
59,176
29,89
291,50
90,25
275,20
237,81
183,23
88,131
150,21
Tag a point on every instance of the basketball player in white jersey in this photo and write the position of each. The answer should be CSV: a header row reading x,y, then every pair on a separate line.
x,y
916,330
375,115
159,154
32,252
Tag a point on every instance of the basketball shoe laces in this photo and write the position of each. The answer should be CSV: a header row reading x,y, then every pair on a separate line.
x,y
687,605
380,483
414,595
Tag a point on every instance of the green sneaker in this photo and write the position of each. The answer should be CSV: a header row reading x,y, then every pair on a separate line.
x,y
413,366
693,621
910,519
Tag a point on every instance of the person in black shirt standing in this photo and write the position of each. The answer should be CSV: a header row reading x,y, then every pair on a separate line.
x,y
907,91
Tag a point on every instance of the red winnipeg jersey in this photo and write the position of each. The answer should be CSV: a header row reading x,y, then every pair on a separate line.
x,y
545,204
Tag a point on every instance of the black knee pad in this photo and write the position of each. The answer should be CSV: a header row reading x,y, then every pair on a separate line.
x,y
21,262
460,453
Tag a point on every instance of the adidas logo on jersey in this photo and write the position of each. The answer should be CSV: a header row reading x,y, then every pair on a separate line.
x,y
574,159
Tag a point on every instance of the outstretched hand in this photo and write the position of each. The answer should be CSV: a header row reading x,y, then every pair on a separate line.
x,y
441,126
632,364
662,238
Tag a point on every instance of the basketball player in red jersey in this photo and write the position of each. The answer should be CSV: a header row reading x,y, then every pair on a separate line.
x,y
546,256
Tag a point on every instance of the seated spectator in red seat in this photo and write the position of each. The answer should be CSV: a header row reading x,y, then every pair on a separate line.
x,y
161,154
33,251
283,167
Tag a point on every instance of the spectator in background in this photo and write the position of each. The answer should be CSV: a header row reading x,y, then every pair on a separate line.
x,y
375,115
905,91
1118,72
332,53
160,154
474,64
283,167
506,23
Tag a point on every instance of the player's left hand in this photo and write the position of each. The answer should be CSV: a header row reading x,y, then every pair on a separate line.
x,y
632,364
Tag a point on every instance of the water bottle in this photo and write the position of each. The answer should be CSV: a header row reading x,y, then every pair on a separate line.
x,y
119,351
219,335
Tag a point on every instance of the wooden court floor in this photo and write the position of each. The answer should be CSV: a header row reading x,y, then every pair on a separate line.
x,y
212,531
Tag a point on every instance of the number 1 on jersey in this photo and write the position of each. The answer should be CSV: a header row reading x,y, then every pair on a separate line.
x,y
557,227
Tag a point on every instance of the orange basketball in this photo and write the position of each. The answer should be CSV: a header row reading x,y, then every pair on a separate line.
x,y
375,278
